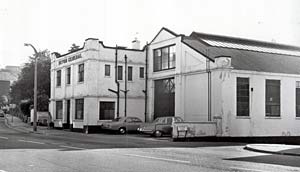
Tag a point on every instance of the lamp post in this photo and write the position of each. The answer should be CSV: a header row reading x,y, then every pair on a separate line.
x,y
35,86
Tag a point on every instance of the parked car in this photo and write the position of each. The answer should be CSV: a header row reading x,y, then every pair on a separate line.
x,y
160,126
1,113
123,124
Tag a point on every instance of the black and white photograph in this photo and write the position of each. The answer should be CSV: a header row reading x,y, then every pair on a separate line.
x,y
149,85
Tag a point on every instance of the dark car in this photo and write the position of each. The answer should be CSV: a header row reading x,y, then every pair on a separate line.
x,y
160,126
123,124
1,113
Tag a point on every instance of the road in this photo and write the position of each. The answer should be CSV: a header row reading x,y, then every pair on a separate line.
x,y
68,151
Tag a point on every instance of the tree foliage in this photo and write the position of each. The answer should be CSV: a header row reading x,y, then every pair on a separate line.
x,y
23,88
74,47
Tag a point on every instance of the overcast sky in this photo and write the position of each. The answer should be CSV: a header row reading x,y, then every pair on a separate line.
x,y
56,24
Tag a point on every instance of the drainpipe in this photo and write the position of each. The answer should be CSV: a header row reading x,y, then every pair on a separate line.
x,y
125,92
208,85
146,79
116,80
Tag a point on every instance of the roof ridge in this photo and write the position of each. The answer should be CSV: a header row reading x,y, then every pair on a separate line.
x,y
246,41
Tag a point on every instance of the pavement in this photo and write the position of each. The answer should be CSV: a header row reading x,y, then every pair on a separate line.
x,y
17,124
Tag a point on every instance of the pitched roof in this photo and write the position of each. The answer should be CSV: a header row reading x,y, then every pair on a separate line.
x,y
247,54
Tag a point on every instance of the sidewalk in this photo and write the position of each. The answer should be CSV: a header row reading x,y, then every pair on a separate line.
x,y
17,124
281,149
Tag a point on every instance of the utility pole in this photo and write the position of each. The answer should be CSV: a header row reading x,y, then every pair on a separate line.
x,y
35,86
125,92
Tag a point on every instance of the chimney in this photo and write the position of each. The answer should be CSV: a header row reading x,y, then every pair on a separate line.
x,y
136,44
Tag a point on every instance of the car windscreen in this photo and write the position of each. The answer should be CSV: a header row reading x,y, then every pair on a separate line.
x,y
117,119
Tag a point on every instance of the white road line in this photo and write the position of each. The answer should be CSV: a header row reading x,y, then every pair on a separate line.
x,y
156,158
3,138
247,169
28,141
71,147
2,171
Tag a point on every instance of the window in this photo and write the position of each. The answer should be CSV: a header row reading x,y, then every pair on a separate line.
x,y
59,109
164,58
107,70
273,98
68,81
81,73
107,110
58,78
129,73
298,99
79,108
120,72
141,72
242,96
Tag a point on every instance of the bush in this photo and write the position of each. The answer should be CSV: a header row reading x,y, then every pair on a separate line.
x,y
25,107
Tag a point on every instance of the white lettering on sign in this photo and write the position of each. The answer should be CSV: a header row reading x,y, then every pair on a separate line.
x,y
70,59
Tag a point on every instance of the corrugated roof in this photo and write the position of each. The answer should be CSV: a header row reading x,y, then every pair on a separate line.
x,y
248,59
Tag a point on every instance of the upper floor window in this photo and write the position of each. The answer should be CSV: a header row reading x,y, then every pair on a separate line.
x,y
129,73
272,98
142,72
58,78
107,70
164,58
68,79
120,72
242,96
81,73
297,98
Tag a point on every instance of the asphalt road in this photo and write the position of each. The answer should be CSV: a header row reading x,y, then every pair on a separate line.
x,y
67,151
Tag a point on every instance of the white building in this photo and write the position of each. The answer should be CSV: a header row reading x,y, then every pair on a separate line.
x,y
80,83
249,88
243,87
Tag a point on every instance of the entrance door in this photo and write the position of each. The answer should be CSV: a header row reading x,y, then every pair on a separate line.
x,y
68,113
164,98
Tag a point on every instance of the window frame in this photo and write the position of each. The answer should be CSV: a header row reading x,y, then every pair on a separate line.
x,y
297,93
68,76
142,73
238,95
81,73
77,103
272,103
56,109
107,70
58,78
130,73
120,77
158,60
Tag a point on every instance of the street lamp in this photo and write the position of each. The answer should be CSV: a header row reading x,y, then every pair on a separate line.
x,y
35,85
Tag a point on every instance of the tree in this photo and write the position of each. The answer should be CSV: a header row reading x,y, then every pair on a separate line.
x,y
74,47
23,88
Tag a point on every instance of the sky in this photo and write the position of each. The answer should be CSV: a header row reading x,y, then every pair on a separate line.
x,y
56,24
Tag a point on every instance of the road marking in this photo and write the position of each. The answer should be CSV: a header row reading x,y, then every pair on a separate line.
x,y
247,169
71,147
2,171
41,143
3,138
156,158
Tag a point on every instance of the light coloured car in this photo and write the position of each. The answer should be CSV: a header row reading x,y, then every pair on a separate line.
x,y
160,126
123,124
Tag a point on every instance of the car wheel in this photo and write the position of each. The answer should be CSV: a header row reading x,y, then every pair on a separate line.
x,y
122,130
158,133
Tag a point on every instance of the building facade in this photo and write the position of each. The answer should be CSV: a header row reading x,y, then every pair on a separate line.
x,y
246,87
84,85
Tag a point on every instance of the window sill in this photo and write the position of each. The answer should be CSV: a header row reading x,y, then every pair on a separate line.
x,y
242,117
297,118
68,85
272,117
58,86
78,120
107,76
81,82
